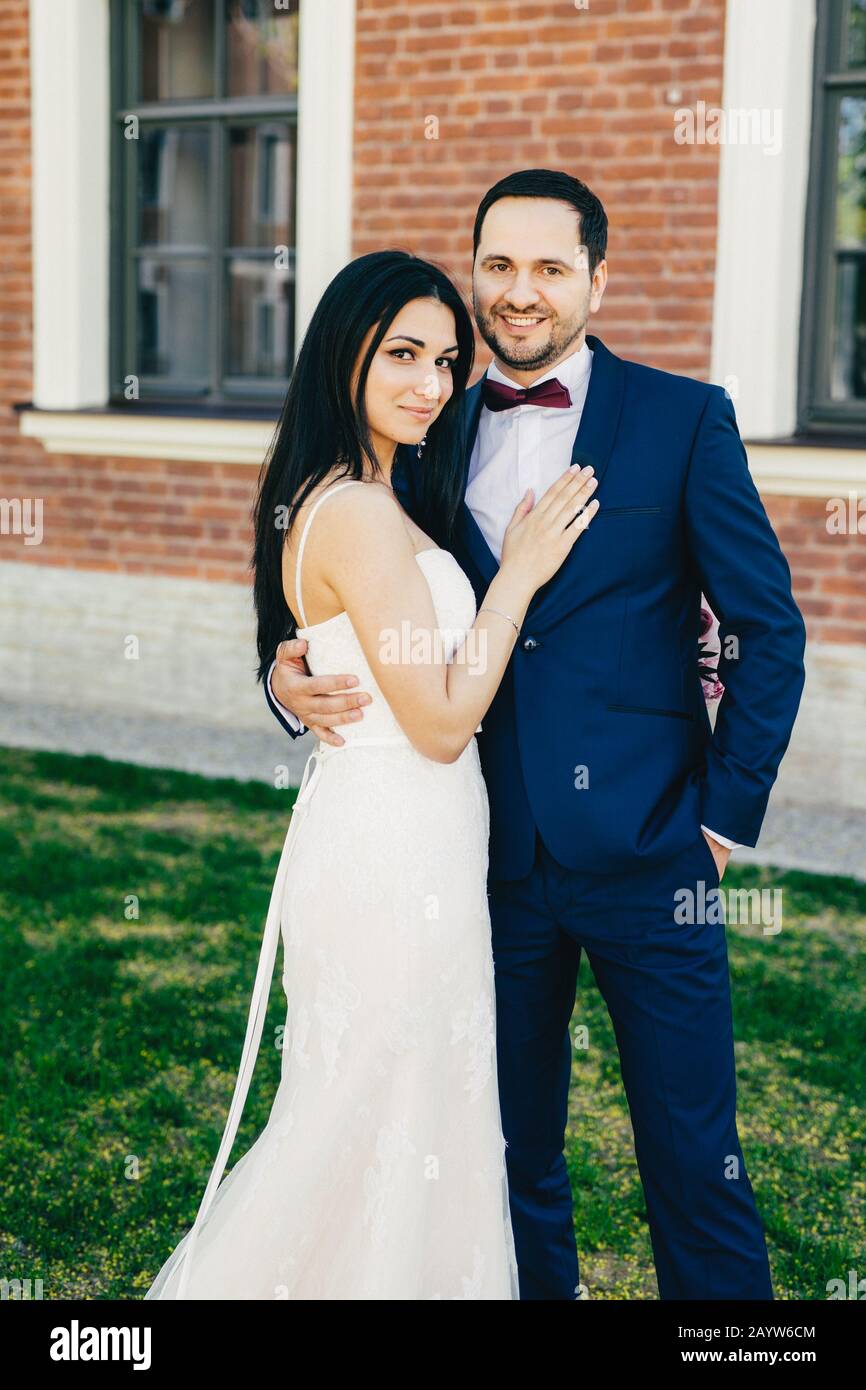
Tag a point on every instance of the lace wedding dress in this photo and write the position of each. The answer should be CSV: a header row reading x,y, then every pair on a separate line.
x,y
381,1171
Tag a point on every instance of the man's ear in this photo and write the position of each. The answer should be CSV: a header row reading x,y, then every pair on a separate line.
x,y
599,284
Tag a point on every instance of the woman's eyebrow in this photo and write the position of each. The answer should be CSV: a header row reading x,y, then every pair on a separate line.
x,y
404,338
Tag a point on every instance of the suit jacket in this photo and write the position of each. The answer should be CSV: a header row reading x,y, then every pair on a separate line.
x,y
598,736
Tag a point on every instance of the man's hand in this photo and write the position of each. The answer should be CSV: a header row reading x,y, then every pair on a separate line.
x,y
310,697
720,853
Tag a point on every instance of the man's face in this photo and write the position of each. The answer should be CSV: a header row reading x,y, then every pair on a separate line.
x,y
531,288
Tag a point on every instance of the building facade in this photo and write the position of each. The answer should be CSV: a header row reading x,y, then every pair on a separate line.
x,y
180,179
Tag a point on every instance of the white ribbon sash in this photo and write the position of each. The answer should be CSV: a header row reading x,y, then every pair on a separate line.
x,y
258,1007
262,986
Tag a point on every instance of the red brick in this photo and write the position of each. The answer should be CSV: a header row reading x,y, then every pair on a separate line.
x,y
515,83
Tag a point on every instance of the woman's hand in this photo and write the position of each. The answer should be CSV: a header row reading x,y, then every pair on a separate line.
x,y
538,538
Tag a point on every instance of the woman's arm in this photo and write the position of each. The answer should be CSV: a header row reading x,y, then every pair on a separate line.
x,y
364,552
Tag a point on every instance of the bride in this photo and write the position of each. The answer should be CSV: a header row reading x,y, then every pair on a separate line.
x,y
380,1173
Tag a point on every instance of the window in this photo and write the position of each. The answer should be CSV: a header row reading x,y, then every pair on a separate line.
x,y
203,175
833,338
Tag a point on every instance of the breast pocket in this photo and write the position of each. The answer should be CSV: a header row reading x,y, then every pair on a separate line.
x,y
637,542
629,511
651,709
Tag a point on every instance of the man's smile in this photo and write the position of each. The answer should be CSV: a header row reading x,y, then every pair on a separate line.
x,y
522,323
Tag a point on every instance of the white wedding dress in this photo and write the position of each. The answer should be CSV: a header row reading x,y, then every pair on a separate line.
x,y
381,1171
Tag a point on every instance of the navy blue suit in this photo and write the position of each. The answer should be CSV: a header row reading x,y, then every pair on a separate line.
x,y
601,766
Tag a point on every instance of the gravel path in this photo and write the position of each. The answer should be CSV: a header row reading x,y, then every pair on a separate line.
x,y
818,839
211,751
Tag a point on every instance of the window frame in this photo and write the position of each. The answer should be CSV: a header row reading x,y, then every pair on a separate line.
x,y
224,394
818,413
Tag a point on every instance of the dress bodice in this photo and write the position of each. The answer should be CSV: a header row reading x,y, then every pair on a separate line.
x,y
333,646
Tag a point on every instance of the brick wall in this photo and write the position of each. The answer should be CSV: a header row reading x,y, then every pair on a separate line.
x,y
16,284
829,571
187,520
513,84
528,83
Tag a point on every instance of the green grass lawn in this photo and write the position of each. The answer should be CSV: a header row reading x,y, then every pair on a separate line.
x,y
123,1035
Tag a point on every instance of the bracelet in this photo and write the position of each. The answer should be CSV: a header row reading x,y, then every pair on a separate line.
x,y
485,609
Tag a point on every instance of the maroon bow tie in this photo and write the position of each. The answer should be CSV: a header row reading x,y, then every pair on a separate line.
x,y
497,396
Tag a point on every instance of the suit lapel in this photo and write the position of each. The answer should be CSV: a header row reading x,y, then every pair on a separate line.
x,y
599,419
593,444
469,533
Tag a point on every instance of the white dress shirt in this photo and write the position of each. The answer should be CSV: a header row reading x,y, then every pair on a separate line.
x,y
525,446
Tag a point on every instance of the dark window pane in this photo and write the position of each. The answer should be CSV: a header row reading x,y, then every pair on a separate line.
x,y
213,248
261,327
173,187
849,331
262,185
855,34
177,49
848,364
173,319
262,47
851,173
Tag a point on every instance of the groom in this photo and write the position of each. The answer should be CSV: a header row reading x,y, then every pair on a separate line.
x,y
610,795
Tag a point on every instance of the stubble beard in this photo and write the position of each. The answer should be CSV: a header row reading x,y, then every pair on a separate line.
x,y
525,358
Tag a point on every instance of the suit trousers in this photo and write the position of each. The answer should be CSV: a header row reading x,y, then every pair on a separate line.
x,y
666,985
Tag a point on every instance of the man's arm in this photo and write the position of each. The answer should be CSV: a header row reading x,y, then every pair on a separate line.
x,y
722,839
290,722
746,578
314,697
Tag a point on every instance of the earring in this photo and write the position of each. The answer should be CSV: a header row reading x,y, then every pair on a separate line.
x,y
421,445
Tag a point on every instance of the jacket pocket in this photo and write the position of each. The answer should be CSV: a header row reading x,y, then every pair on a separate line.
x,y
648,709
709,856
628,511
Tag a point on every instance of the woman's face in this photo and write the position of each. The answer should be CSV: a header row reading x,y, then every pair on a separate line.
x,y
410,377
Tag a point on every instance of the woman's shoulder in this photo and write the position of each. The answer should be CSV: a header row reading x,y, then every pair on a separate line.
x,y
337,480
352,512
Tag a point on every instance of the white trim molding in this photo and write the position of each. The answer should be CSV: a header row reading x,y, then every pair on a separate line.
x,y
794,470
769,54
70,112
326,112
122,435
69,71
786,470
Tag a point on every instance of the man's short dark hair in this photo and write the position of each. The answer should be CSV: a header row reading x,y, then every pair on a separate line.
x,y
551,183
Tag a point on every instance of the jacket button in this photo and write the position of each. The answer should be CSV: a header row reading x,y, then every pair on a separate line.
x,y
530,643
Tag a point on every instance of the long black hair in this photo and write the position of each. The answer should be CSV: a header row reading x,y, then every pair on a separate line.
x,y
323,422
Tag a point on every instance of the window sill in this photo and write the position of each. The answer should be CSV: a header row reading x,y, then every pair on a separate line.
x,y
157,435
803,467
795,467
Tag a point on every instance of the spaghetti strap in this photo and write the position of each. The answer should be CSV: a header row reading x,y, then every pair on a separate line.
x,y
328,492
